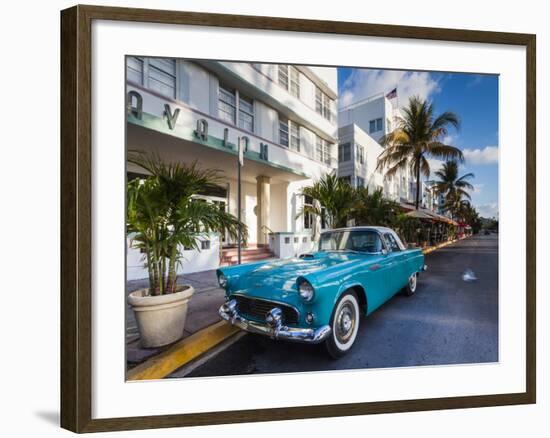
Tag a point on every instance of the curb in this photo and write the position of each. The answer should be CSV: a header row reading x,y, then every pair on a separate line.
x,y
441,245
182,352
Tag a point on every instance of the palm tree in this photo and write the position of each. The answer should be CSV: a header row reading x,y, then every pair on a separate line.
x,y
163,216
335,199
456,205
418,136
374,208
450,184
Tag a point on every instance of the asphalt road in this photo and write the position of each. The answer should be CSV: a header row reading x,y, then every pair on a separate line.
x,y
448,321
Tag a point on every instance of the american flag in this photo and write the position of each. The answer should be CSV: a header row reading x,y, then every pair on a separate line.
x,y
392,94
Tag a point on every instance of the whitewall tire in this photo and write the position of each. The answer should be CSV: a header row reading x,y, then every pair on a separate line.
x,y
344,324
412,284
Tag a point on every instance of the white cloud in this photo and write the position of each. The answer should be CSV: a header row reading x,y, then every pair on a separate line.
x,y
478,188
449,139
363,83
435,165
488,210
487,155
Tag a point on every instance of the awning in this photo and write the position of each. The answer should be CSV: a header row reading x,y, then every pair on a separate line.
x,y
419,214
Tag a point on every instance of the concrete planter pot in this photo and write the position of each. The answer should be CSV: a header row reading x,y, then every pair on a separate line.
x,y
161,318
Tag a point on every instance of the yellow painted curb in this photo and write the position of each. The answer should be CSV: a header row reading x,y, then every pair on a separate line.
x,y
442,245
182,352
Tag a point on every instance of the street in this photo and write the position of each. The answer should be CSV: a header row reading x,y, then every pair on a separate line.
x,y
448,321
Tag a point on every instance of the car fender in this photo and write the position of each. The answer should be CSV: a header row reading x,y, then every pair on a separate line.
x,y
360,289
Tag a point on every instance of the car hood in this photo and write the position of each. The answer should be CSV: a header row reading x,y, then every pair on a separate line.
x,y
279,276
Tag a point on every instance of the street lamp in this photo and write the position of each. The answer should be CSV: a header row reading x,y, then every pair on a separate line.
x,y
240,163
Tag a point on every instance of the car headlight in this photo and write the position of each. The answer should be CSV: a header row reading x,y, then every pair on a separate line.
x,y
306,291
222,280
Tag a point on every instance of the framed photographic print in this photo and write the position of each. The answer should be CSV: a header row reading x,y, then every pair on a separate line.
x,y
259,212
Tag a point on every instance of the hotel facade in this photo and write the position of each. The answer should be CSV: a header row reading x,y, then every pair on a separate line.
x,y
361,127
284,116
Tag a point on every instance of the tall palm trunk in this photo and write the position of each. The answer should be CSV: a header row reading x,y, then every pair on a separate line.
x,y
417,199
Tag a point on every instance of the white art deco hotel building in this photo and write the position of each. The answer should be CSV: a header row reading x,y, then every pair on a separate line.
x,y
284,116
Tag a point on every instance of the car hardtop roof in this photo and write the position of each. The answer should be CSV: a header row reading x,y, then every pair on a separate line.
x,y
361,228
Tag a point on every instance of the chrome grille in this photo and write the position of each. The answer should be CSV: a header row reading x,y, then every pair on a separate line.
x,y
257,309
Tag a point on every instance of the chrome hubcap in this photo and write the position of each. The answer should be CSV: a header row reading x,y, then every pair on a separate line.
x,y
345,323
412,282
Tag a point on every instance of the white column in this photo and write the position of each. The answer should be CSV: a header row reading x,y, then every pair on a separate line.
x,y
262,207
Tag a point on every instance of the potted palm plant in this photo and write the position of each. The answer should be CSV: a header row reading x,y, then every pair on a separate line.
x,y
163,217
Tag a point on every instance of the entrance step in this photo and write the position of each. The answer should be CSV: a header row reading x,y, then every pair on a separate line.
x,y
248,254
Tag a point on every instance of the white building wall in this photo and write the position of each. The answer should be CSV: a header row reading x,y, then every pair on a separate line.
x,y
266,122
362,114
195,87
307,91
192,260
328,75
307,142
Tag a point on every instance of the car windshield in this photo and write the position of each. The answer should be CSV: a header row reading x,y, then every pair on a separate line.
x,y
359,240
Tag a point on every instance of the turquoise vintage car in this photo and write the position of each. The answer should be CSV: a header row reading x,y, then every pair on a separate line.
x,y
319,297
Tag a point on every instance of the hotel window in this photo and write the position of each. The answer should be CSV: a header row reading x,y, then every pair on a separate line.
x,y
323,150
283,131
346,179
360,182
360,153
246,113
289,78
294,82
162,76
227,104
134,69
294,136
375,125
344,152
322,103
283,76
308,217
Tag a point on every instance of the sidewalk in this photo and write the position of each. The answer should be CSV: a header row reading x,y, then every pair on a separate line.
x,y
202,312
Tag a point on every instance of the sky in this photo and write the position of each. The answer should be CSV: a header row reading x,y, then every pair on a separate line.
x,y
474,97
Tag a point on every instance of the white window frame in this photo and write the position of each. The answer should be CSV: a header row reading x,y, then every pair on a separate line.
x,y
294,81
241,109
360,153
283,122
222,90
377,125
341,155
294,138
146,75
141,60
323,104
308,217
288,77
322,150
151,67
282,72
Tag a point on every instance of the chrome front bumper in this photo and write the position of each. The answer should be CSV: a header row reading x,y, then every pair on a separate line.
x,y
273,327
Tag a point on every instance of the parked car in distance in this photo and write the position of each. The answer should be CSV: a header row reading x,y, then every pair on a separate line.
x,y
320,297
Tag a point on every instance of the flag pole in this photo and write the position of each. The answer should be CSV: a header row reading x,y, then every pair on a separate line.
x,y
239,201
